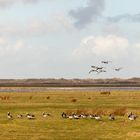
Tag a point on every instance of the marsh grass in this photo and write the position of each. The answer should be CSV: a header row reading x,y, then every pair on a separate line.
x,y
56,128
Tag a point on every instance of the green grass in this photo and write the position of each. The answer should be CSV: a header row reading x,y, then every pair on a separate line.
x,y
56,128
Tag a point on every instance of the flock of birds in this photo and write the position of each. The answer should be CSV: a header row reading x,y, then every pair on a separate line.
x,y
130,116
29,116
99,69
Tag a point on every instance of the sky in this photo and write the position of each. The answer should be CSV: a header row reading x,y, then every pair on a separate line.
x,y
63,38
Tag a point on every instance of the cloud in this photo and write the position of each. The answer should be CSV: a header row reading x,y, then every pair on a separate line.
x,y
125,17
22,59
86,15
110,46
93,11
36,27
19,48
117,49
5,3
7,47
57,23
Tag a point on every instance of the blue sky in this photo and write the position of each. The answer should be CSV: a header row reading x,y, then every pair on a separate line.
x,y
62,38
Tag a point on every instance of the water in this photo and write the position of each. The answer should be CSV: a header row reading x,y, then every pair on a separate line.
x,y
45,89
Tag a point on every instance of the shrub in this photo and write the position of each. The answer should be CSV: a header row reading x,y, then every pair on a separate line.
x,y
48,97
105,93
30,97
74,100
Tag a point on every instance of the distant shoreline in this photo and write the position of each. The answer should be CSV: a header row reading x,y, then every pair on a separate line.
x,y
114,82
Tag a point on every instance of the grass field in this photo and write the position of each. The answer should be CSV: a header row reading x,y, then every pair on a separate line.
x,y
56,128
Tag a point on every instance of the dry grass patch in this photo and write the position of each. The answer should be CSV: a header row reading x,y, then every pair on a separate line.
x,y
48,97
105,93
133,134
74,100
120,111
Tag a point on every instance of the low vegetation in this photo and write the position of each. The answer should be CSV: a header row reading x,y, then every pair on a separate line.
x,y
55,127
105,92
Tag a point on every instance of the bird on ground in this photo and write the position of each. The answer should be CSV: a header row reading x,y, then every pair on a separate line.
x,y
70,116
19,115
83,116
75,116
132,117
30,116
91,116
9,116
45,114
97,117
111,117
64,115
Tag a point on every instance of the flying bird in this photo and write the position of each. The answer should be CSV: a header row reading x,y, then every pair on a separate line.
x,y
97,68
105,62
118,69
100,71
93,66
93,71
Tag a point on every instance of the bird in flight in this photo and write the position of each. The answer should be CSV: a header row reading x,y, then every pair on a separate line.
x,y
93,70
100,71
118,69
97,68
105,62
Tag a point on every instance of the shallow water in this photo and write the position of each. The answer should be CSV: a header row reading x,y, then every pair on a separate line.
x,y
45,89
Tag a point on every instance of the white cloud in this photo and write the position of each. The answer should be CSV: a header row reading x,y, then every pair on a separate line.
x,y
20,48
117,49
110,46
5,3
7,47
57,23
21,59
